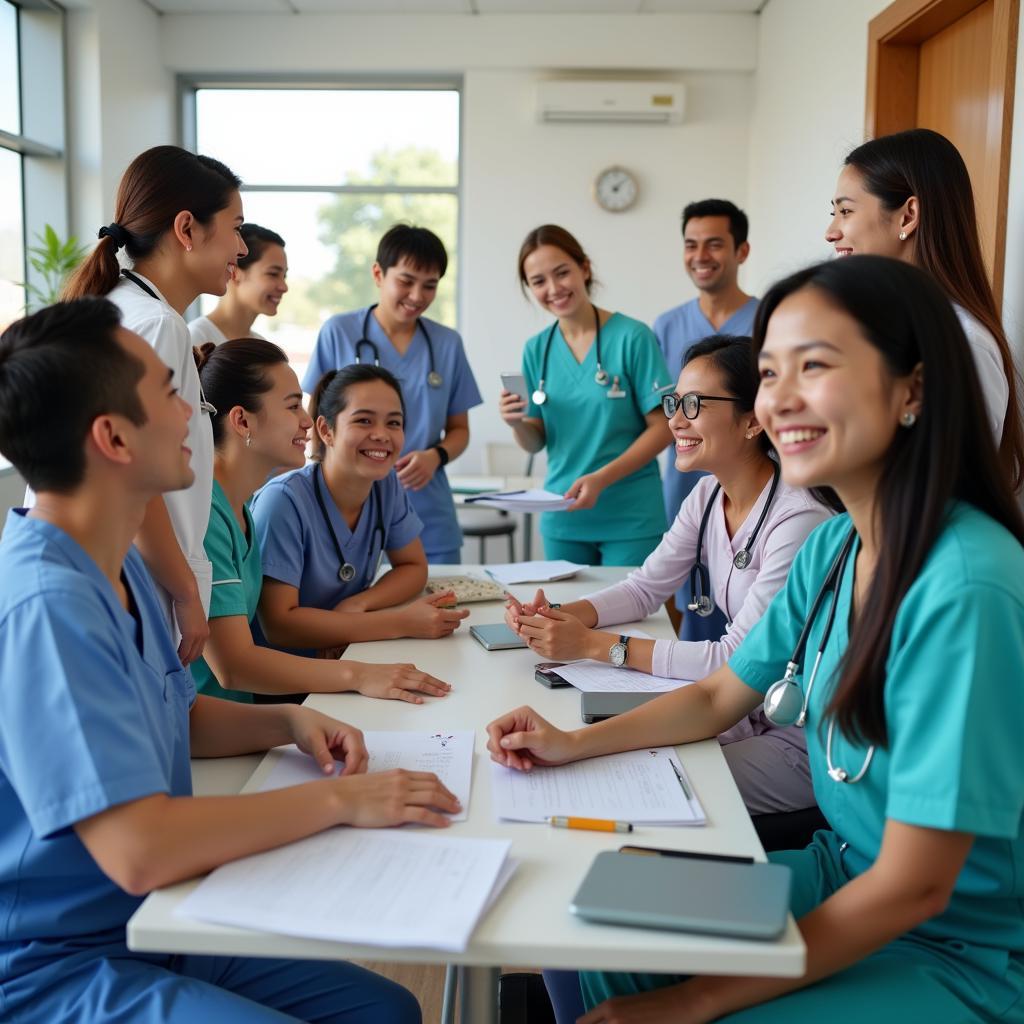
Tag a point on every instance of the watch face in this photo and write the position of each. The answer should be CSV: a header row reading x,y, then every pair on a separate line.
x,y
617,655
615,189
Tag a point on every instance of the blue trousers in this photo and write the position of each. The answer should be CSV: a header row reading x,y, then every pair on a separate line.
x,y
87,989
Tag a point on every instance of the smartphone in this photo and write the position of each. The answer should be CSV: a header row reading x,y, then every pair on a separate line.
x,y
545,674
514,382
496,637
656,851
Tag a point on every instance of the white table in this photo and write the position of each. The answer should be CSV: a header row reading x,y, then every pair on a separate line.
x,y
530,924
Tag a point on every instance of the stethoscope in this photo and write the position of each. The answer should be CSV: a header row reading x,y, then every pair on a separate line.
x,y
700,576
540,396
346,570
434,379
204,405
783,703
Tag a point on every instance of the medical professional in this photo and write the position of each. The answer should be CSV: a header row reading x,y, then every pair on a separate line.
x,y
429,362
892,642
256,288
909,196
323,529
178,218
260,428
595,381
734,539
90,675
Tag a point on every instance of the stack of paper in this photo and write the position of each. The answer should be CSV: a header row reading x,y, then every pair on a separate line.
x,y
599,677
508,573
523,501
646,787
377,887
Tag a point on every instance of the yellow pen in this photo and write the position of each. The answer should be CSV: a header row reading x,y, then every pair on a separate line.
x,y
590,824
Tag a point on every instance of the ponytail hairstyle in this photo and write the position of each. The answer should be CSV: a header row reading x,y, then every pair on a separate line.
x,y
552,234
235,373
256,240
330,397
925,164
948,455
155,188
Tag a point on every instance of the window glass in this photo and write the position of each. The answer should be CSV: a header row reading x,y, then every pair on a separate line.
x,y
10,107
12,238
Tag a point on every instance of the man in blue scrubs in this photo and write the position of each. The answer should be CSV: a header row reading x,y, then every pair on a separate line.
x,y
714,247
97,715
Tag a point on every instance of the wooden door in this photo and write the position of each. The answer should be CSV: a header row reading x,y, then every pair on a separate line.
x,y
949,65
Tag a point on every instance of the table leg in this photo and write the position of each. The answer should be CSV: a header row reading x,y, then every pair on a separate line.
x,y
478,995
527,536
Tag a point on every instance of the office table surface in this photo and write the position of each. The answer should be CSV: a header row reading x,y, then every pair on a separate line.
x,y
530,925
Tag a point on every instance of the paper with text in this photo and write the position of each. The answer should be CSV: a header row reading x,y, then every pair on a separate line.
x,y
509,573
597,677
534,500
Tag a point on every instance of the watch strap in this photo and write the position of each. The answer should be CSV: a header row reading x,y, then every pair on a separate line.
x,y
442,453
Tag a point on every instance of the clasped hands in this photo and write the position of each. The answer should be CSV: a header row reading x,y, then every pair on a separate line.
x,y
549,632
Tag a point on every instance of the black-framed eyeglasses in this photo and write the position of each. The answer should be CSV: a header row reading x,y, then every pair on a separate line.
x,y
689,403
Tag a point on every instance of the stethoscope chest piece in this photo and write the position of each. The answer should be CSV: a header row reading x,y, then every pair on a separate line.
x,y
784,702
702,606
434,379
347,573
540,396
601,377
742,559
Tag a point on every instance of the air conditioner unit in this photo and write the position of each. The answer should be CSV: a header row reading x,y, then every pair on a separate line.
x,y
639,102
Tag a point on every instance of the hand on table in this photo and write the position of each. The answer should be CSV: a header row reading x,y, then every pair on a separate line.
x,y
521,739
395,797
432,617
416,469
514,611
555,635
327,740
399,682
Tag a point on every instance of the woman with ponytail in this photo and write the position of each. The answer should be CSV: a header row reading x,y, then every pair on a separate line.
x,y
259,428
177,217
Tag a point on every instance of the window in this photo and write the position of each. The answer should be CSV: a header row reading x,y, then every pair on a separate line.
x,y
380,155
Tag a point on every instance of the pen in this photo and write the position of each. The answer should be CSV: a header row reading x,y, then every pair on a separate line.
x,y
590,824
682,781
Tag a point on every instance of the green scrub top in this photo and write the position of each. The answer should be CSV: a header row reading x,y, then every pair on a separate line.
x,y
955,720
237,581
585,429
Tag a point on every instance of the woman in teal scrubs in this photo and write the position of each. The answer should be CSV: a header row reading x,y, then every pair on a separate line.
x,y
911,907
594,381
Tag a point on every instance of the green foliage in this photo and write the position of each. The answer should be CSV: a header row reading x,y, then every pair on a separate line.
x,y
53,260
351,225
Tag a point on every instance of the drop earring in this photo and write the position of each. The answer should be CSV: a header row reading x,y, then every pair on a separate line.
x,y
248,440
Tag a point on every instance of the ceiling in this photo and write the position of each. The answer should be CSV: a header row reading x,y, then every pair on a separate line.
x,y
456,6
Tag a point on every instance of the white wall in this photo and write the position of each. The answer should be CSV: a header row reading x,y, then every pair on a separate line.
x,y
1013,277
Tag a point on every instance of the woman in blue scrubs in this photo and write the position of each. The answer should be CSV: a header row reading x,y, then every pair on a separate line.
x,y
429,362
910,906
322,529
595,381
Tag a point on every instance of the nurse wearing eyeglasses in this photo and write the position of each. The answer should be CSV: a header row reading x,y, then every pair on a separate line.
x,y
910,907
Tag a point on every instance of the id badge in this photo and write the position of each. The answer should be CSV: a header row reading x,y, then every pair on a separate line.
x,y
615,391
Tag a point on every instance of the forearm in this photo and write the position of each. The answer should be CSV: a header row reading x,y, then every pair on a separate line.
x,y
264,670
455,442
319,628
158,545
528,436
224,728
400,584
582,610
644,449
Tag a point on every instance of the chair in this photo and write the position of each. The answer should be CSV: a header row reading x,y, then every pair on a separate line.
x,y
788,830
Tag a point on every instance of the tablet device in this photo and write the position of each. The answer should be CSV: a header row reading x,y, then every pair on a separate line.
x,y
546,673
514,382
595,707
497,637
746,901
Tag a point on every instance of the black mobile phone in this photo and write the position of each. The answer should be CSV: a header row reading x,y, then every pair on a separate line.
x,y
545,674
656,851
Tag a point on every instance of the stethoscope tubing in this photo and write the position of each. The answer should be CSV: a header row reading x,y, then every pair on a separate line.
x,y
347,571
601,377
434,379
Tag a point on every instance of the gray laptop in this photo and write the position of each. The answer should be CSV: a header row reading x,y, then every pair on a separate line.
x,y
747,901
597,706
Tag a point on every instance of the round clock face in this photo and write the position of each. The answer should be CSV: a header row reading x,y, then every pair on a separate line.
x,y
615,189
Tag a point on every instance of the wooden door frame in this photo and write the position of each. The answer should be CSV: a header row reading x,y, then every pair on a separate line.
x,y
894,39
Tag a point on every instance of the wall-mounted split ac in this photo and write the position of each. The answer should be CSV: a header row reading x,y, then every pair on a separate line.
x,y
637,102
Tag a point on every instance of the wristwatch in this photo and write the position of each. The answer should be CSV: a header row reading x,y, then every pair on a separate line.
x,y
442,454
618,651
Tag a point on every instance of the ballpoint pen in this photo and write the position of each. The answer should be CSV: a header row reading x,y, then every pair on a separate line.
x,y
682,781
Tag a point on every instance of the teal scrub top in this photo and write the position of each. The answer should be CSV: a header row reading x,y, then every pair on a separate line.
x,y
954,715
585,429
237,581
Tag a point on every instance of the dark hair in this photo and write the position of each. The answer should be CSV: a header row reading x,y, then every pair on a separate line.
x,y
927,165
235,374
256,240
330,397
552,234
155,188
731,356
59,369
420,246
738,223
948,454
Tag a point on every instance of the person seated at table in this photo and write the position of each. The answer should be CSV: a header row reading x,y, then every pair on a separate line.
x,y
98,718
893,639
322,529
259,427
734,539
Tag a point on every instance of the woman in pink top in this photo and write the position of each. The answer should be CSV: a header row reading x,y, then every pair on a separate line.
x,y
754,527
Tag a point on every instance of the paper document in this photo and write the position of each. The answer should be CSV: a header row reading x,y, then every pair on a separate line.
x,y
474,484
598,677
378,887
448,755
640,786
533,572
523,501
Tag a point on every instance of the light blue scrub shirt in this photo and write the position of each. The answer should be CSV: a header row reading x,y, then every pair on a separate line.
x,y
585,429
93,713
427,408
296,546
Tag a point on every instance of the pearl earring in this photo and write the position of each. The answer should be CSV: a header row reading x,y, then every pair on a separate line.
x,y
908,419
903,236
188,248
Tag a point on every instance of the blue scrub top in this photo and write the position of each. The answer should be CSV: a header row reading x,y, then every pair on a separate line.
x,y
94,713
953,711
296,546
427,408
